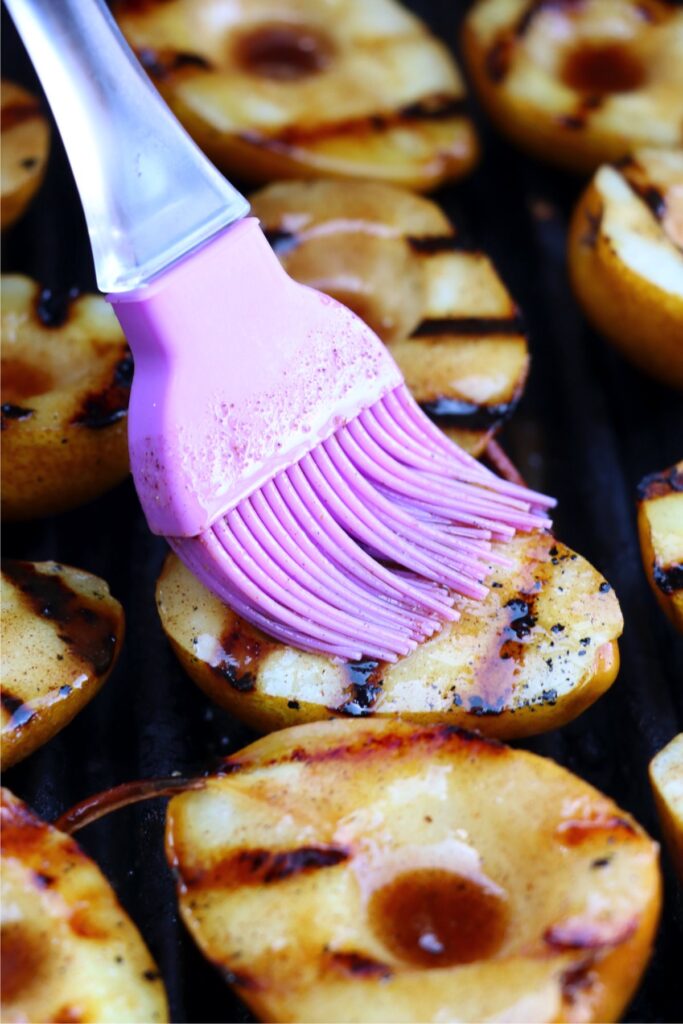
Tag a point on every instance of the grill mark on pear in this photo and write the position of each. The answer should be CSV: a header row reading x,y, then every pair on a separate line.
x,y
87,626
244,652
263,867
433,245
11,412
366,686
110,404
669,578
498,57
163,64
650,194
430,108
661,484
358,965
385,745
19,711
281,241
585,106
54,306
19,113
476,326
464,415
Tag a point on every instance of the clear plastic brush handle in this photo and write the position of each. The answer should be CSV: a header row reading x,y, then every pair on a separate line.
x,y
149,194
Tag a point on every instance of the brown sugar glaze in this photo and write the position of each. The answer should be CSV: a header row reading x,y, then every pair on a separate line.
x,y
22,958
602,68
436,918
23,380
283,52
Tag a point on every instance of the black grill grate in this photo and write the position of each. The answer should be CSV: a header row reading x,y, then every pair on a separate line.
x,y
588,429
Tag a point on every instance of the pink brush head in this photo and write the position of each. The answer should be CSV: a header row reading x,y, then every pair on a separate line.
x,y
273,442
272,438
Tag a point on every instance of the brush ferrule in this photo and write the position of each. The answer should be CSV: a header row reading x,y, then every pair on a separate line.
x,y
149,194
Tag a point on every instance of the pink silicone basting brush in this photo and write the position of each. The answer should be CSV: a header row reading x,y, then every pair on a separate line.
x,y
272,439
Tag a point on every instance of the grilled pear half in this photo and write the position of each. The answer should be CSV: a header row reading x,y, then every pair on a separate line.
x,y
397,261
540,648
62,633
666,778
380,871
579,84
25,145
66,374
69,951
298,88
660,527
625,255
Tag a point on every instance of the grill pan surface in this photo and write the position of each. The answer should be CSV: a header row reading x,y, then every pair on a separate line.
x,y
588,428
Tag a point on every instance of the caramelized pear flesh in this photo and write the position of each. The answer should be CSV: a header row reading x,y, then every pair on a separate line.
x,y
397,261
378,871
579,84
23,156
66,375
299,88
625,256
69,951
62,634
660,528
666,779
539,649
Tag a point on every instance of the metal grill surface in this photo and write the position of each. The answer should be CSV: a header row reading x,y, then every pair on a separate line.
x,y
589,427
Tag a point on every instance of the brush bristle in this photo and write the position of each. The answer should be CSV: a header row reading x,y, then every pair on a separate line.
x,y
359,549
